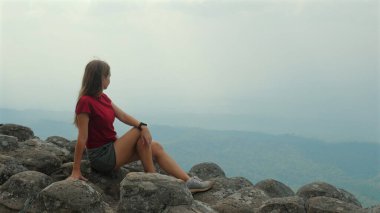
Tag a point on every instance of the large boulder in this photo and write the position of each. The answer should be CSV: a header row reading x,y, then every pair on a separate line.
x,y
247,199
61,153
152,192
60,141
8,143
222,188
37,157
109,183
206,171
292,204
65,144
71,196
274,188
22,188
331,205
317,189
8,167
349,198
21,132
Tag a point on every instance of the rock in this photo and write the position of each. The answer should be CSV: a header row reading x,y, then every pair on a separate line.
x,y
22,133
292,204
349,198
206,171
22,188
152,192
108,183
374,209
71,196
59,141
65,170
274,188
36,157
247,199
137,166
195,207
222,188
8,167
8,143
66,146
61,153
329,204
316,189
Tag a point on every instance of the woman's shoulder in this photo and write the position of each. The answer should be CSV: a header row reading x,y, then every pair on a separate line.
x,y
85,98
106,97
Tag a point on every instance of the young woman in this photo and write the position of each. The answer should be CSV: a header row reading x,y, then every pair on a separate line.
x,y
95,114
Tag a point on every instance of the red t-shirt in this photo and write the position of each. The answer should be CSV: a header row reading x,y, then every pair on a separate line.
x,y
102,116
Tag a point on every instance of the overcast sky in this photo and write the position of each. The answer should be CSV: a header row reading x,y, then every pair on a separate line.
x,y
310,61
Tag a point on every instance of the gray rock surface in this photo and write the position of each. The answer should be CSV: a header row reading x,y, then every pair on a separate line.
x,y
21,188
274,188
60,141
316,189
8,143
222,188
71,196
373,209
108,183
22,133
349,198
329,204
247,199
137,166
61,153
195,207
152,192
292,204
35,156
8,167
65,144
206,171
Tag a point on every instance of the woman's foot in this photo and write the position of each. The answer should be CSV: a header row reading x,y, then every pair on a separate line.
x,y
195,184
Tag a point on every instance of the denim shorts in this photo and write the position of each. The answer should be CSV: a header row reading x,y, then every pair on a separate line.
x,y
103,158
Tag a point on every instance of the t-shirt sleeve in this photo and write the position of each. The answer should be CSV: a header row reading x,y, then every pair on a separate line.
x,y
83,106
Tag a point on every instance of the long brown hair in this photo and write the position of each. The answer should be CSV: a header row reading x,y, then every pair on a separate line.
x,y
92,80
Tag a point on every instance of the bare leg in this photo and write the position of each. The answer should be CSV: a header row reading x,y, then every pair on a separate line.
x,y
125,147
129,148
167,163
145,155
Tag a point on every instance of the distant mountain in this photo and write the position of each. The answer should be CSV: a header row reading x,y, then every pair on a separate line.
x,y
288,158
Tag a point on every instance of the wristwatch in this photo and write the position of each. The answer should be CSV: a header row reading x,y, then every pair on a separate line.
x,y
141,124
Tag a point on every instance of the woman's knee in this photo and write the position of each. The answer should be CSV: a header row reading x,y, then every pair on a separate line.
x,y
157,148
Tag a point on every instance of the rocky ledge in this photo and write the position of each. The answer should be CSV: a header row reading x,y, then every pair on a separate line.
x,y
33,176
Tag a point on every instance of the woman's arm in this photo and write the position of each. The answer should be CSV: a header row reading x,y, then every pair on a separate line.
x,y
129,120
83,120
124,117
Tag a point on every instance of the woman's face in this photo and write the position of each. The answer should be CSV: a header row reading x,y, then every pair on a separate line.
x,y
106,81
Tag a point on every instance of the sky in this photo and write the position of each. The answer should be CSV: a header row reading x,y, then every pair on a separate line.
x,y
313,63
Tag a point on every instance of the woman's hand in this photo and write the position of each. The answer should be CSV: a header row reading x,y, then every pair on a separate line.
x,y
146,136
77,175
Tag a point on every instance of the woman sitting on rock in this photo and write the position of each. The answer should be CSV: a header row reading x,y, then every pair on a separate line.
x,y
95,114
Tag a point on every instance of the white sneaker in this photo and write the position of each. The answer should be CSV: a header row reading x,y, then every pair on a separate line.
x,y
195,184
